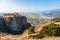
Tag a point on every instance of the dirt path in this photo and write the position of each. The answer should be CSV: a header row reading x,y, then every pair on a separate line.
x,y
39,27
51,38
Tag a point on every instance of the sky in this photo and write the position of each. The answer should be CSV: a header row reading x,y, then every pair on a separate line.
x,y
28,5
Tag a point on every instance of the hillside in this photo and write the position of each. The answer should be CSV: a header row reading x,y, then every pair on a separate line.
x,y
26,34
50,29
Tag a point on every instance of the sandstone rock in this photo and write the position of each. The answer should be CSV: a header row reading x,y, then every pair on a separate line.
x,y
14,23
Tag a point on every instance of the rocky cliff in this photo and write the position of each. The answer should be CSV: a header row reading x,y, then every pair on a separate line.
x,y
15,24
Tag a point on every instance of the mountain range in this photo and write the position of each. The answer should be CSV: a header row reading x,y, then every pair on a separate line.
x,y
40,16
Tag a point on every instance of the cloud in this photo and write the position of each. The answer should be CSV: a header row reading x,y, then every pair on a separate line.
x,y
7,6
12,6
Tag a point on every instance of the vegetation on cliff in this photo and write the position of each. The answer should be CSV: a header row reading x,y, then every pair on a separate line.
x,y
49,30
31,29
56,20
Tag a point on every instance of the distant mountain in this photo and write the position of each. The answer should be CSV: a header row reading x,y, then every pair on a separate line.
x,y
49,13
52,13
1,14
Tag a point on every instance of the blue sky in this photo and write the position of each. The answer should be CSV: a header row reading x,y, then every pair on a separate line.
x,y
28,5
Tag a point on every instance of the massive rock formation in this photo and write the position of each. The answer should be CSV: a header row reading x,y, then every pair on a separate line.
x,y
13,23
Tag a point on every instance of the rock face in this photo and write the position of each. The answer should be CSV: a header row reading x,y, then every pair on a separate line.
x,y
15,24
2,24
